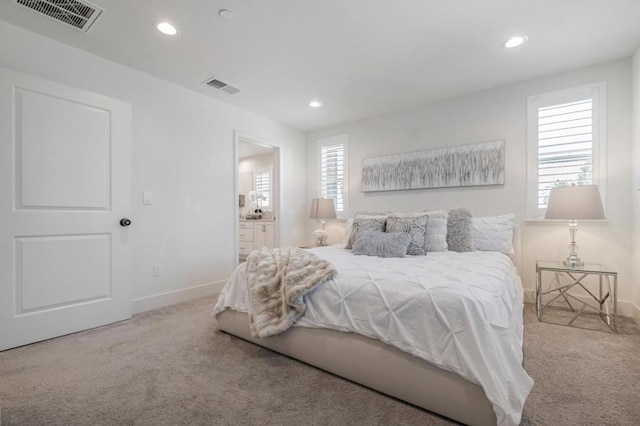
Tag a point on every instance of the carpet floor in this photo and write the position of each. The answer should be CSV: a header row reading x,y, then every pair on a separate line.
x,y
170,367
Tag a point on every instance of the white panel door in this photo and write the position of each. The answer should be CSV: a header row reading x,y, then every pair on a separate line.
x,y
65,184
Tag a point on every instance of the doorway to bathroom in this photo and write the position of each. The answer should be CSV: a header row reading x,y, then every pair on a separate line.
x,y
257,190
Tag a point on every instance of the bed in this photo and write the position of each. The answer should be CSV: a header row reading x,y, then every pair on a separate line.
x,y
442,331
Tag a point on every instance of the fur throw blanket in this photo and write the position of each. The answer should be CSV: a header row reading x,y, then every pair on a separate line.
x,y
276,280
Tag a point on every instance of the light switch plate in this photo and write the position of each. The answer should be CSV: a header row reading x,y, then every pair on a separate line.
x,y
147,198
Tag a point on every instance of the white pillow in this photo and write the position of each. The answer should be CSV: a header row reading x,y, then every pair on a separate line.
x,y
436,235
493,233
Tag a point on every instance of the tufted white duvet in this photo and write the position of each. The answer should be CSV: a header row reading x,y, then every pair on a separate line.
x,y
459,311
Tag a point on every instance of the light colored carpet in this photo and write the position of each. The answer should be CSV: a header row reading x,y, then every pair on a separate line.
x,y
169,367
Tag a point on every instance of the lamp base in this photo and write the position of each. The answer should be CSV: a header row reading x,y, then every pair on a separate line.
x,y
572,263
320,236
573,260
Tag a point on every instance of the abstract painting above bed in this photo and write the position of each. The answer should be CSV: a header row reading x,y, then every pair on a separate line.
x,y
467,165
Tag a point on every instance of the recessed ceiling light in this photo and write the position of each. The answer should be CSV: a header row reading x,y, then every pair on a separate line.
x,y
515,41
315,104
225,14
166,28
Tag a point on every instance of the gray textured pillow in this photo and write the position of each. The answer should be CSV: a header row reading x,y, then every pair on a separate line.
x,y
436,235
459,226
381,244
365,222
413,224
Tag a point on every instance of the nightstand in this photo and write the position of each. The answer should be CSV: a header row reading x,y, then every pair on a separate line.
x,y
586,289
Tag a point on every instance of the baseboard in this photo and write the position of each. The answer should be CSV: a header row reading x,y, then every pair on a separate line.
x,y
635,313
625,307
169,298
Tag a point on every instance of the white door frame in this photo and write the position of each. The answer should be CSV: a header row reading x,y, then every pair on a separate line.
x,y
277,196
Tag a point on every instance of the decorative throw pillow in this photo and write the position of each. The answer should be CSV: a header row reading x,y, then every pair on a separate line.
x,y
493,233
381,244
365,222
436,235
413,224
459,230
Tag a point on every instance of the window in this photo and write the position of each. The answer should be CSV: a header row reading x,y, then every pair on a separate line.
x,y
263,188
566,142
333,171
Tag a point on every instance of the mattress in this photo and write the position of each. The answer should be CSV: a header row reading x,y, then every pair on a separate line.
x,y
459,311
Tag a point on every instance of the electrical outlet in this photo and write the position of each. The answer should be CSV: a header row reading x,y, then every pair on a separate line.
x,y
156,271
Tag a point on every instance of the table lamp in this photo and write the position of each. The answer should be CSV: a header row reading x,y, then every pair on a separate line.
x,y
322,209
577,202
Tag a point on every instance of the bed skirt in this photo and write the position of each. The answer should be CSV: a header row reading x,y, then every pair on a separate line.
x,y
376,365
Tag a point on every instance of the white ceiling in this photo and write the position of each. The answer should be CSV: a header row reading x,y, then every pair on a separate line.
x,y
361,58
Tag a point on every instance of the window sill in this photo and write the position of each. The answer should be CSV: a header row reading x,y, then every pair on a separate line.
x,y
540,221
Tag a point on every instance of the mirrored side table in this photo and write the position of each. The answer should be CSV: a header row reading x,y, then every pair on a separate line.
x,y
586,289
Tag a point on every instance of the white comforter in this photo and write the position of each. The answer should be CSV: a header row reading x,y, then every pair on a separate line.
x,y
459,311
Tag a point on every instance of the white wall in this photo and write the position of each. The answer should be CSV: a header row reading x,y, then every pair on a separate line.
x,y
257,162
183,146
635,114
495,115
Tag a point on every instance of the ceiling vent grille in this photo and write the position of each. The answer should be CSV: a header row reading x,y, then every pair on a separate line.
x,y
221,85
76,13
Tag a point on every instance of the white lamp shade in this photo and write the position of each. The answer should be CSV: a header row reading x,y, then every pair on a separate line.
x,y
322,209
575,203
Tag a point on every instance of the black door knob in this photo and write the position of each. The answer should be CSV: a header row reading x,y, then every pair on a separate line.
x,y
125,222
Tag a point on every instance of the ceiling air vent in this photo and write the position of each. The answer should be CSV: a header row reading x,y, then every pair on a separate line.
x,y
221,85
78,14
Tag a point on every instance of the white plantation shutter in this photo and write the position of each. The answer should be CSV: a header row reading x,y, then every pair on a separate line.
x,y
263,186
333,171
565,146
